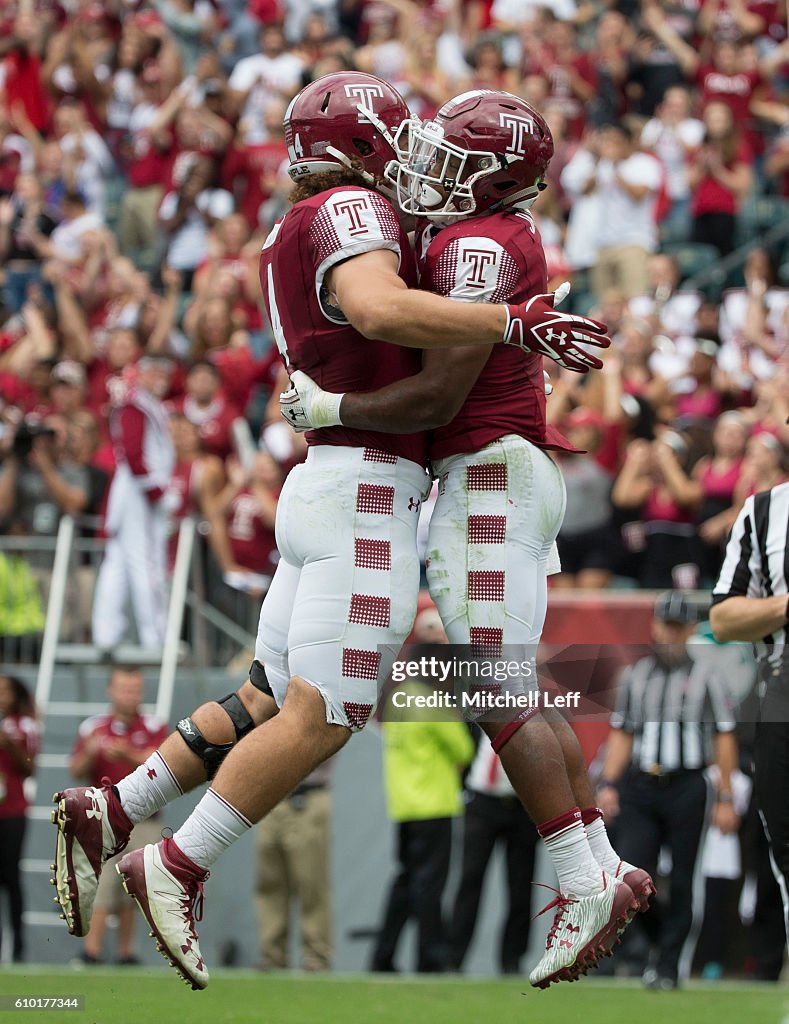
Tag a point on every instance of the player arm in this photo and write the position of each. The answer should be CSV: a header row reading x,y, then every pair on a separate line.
x,y
429,399
380,305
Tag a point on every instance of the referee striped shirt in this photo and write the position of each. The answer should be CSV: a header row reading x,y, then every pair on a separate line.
x,y
672,712
757,561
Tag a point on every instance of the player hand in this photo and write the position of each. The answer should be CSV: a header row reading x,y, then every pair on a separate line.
x,y
306,406
537,326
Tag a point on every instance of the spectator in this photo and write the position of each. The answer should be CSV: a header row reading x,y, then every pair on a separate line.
x,y
23,218
672,135
423,756
204,405
187,215
111,746
135,561
493,816
293,872
273,72
19,742
720,178
653,482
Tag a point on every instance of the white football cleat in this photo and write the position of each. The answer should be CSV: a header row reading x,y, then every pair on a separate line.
x,y
584,929
168,889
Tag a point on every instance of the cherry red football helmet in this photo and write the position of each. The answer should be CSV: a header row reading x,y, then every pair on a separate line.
x,y
485,150
343,115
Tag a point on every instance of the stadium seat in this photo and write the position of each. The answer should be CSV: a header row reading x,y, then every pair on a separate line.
x,y
693,257
759,214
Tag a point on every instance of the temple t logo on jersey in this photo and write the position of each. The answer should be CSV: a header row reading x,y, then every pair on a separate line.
x,y
519,126
365,94
477,259
352,209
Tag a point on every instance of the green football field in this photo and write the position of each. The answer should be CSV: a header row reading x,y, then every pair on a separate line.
x,y
157,996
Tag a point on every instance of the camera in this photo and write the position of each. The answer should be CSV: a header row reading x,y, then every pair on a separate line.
x,y
25,435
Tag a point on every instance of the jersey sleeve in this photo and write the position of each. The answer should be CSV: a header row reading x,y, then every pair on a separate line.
x,y
349,223
740,575
472,269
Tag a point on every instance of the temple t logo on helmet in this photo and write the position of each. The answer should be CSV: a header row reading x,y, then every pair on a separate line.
x,y
364,95
344,120
485,151
519,126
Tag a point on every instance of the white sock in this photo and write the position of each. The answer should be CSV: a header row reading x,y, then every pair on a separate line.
x,y
604,853
211,827
578,871
148,789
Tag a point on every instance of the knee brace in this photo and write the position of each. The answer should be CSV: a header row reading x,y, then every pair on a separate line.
x,y
257,676
213,754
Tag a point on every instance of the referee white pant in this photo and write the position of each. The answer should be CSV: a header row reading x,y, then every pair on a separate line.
x,y
491,536
343,598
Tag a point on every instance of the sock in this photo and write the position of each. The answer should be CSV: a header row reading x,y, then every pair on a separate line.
x,y
565,840
604,853
148,789
211,827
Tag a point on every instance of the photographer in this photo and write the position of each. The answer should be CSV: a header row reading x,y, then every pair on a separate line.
x,y
37,486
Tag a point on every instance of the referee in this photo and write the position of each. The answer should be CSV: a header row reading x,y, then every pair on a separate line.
x,y
750,603
668,709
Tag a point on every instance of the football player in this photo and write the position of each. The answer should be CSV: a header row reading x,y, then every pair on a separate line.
x,y
473,173
335,274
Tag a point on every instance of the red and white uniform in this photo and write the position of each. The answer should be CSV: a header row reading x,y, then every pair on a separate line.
x,y
501,498
143,733
348,578
252,542
135,562
214,422
22,729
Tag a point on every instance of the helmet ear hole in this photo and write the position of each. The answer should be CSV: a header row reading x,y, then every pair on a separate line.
x,y
363,146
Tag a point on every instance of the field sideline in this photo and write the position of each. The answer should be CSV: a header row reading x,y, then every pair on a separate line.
x,y
132,996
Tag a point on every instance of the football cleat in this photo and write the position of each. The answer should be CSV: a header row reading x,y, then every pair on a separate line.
x,y
639,881
583,930
92,827
168,889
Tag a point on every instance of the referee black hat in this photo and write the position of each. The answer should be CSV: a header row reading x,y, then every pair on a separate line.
x,y
673,606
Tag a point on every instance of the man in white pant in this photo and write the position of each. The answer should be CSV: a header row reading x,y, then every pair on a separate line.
x,y
135,562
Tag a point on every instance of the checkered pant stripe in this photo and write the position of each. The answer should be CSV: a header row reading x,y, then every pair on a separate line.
x,y
375,498
486,586
491,476
373,554
486,641
487,529
357,714
369,611
360,664
374,455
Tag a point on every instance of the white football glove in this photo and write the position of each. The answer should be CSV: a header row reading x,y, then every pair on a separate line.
x,y
537,326
306,406
546,383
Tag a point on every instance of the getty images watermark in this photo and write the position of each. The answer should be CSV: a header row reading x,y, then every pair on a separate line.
x,y
486,685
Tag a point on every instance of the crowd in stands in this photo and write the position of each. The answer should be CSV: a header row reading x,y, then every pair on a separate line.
x,y
142,164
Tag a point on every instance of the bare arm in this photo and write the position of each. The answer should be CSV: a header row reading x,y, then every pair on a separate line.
x,y
748,618
380,305
427,400
724,816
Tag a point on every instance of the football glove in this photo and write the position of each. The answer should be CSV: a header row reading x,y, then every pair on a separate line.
x,y
306,406
537,326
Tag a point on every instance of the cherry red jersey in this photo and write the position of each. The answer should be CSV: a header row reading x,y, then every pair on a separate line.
x,y
143,733
314,336
214,421
22,730
497,258
252,542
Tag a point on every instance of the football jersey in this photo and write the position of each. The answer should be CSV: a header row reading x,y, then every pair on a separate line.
x,y
497,258
314,336
24,731
143,733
